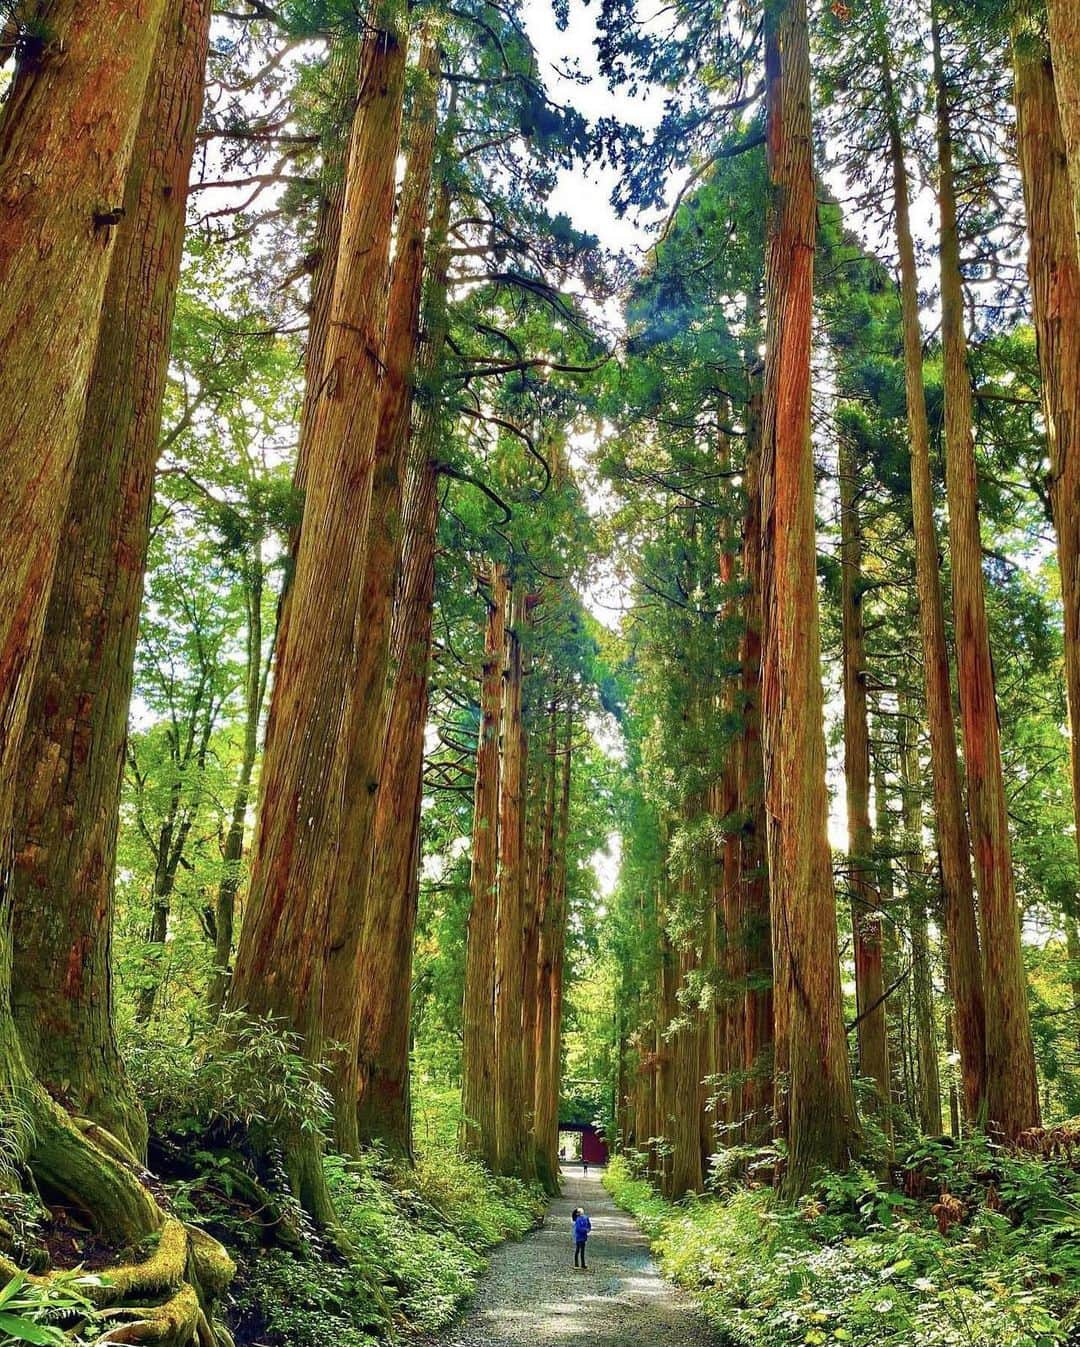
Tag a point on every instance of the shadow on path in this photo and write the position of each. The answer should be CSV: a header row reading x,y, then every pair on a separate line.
x,y
533,1296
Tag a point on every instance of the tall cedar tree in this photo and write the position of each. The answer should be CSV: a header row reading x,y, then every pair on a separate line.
x,y
818,1105
72,759
1012,1097
297,952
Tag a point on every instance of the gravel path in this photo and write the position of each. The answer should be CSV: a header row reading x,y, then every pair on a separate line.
x,y
533,1296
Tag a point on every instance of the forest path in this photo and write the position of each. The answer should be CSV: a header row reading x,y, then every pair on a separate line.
x,y
533,1296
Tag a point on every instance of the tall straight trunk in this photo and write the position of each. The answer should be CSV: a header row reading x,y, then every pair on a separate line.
x,y
478,1018
753,862
67,131
666,1010
815,1098
1054,269
298,945
233,851
359,996
534,831
1065,53
922,989
954,847
546,1088
866,924
66,136
559,894
514,1152
384,1112
1072,953
733,945
72,755
895,952
1012,1096
684,1174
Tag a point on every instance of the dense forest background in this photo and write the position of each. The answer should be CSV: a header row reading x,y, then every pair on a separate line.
x,y
457,674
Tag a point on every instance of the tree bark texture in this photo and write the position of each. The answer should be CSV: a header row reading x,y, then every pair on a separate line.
x,y
297,947
478,1044
866,922
954,847
384,1112
360,999
72,756
1065,52
514,1149
815,1098
922,988
1054,270
1012,1095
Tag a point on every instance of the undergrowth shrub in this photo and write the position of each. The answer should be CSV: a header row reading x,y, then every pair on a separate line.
x,y
860,1262
417,1236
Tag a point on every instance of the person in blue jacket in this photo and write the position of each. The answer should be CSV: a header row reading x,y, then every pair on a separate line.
x,y
582,1226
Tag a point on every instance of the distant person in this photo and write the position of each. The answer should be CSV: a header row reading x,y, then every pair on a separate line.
x,y
584,1165
582,1226
562,1152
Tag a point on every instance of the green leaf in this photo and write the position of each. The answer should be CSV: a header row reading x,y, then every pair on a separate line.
x,y
25,1330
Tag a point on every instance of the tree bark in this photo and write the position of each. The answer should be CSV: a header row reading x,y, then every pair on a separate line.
x,y
1012,1095
298,945
954,846
1065,52
478,1048
922,988
815,1099
384,1112
232,855
866,923
66,138
514,1150
546,1090
753,861
359,997
1054,270
72,754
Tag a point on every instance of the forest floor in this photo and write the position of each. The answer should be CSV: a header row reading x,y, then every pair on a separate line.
x,y
533,1296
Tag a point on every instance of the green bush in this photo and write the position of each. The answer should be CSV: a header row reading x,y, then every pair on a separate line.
x,y
860,1263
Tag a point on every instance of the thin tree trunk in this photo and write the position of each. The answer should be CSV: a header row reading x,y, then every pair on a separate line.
x,y
951,822
478,1050
865,897
72,756
514,1153
546,1089
922,989
297,945
815,1099
232,854
1054,269
558,953
753,861
1012,1096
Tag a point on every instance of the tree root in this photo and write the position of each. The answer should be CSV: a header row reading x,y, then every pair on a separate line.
x,y
166,1298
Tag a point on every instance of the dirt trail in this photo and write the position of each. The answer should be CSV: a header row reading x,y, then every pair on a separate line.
x,y
533,1296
